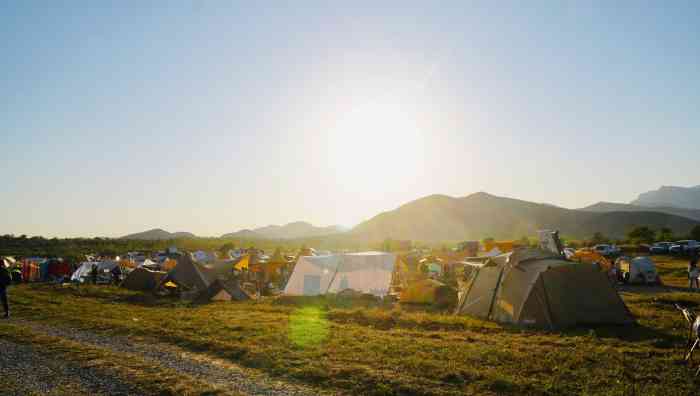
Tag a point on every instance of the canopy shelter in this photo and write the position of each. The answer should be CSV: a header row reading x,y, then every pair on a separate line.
x,y
270,270
143,279
532,287
368,272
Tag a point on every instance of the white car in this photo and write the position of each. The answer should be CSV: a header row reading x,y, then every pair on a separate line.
x,y
606,250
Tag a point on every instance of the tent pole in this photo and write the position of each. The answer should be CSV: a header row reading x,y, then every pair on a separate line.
x,y
495,291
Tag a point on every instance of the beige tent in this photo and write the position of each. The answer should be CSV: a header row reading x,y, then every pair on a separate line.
x,y
531,287
368,272
220,290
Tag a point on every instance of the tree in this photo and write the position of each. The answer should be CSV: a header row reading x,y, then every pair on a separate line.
x,y
695,233
641,235
598,237
665,234
226,247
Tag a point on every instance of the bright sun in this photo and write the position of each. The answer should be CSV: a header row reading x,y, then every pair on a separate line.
x,y
376,142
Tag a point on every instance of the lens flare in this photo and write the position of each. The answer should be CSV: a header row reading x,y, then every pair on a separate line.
x,y
308,327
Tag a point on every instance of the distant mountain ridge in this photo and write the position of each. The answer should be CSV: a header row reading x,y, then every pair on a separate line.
x,y
157,234
673,196
603,207
443,218
297,229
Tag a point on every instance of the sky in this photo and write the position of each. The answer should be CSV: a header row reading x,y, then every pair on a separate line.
x,y
209,117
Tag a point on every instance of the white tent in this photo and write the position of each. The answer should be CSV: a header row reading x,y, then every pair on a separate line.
x,y
368,272
86,267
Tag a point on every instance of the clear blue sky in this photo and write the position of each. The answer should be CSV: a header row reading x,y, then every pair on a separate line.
x,y
214,116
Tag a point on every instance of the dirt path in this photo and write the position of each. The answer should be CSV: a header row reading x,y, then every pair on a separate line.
x,y
28,371
218,372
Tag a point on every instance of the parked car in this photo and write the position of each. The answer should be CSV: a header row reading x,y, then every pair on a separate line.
x,y
684,247
660,247
641,270
606,250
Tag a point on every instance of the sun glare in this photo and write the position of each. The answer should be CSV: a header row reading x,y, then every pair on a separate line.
x,y
376,135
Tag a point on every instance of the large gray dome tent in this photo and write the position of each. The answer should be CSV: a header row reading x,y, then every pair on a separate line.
x,y
531,287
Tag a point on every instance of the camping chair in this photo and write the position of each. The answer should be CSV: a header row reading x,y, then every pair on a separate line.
x,y
693,333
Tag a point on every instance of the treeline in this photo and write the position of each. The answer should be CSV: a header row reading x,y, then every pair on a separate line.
x,y
645,235
74,249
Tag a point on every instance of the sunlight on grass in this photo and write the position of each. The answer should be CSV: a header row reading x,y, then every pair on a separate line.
x,y
308,326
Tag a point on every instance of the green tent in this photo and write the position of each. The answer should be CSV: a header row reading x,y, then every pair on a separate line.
x,y
531,287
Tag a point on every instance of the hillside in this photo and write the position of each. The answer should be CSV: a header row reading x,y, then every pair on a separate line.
x,y
443,218
679,197
603,207
298,229
158,234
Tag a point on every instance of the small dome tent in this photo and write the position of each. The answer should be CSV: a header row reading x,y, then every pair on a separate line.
x,y
531,287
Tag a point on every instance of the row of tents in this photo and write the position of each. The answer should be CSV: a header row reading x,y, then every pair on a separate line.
x,y
192,280
526,287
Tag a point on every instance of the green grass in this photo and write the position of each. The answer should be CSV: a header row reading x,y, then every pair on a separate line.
x,y
380,350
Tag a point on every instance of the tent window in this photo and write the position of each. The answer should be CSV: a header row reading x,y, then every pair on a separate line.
x,y
312,285
344,284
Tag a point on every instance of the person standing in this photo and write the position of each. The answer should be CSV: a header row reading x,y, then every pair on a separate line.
x,y
5,281
93,274
693,272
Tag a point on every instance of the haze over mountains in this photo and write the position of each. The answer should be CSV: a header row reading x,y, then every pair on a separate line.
x,y
673,196
298,229
443,218
158,234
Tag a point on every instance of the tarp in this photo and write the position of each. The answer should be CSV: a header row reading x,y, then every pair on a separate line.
x,y
531,287
368,272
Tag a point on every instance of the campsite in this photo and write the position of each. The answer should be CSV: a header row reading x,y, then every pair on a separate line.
x,y
334,328
361,198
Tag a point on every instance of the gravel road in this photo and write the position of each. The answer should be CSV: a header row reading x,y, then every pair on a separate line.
x,y
223,374
30,371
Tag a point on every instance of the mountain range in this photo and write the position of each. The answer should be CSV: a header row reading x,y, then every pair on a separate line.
x,y
158,234
673,196
297,229
444,218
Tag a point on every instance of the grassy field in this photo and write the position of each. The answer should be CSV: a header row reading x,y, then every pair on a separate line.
x,y
394,351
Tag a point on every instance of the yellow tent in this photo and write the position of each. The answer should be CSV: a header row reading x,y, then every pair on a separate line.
x,y
244,262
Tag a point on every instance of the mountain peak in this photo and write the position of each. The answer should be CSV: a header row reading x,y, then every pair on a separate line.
x,y
293,230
